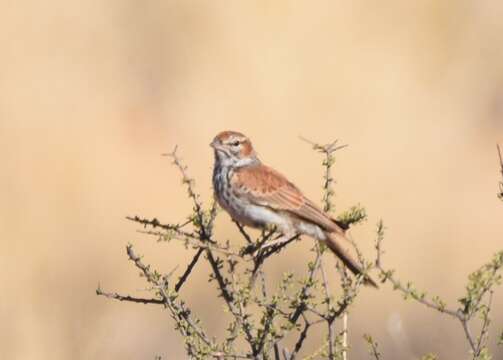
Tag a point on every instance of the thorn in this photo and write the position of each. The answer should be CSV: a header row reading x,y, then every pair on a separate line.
x,y
171,154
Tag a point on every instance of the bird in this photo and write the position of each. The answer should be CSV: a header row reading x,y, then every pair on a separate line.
x,y
258,196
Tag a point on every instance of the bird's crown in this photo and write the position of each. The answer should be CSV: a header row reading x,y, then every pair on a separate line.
x,y
233,144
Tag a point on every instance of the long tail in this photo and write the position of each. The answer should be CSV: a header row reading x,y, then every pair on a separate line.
x,y
333,242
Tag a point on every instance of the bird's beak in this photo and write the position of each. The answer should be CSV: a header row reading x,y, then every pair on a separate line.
x,y
214,144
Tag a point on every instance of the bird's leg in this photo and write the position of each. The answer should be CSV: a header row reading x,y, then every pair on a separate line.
x,y
280,239
265,243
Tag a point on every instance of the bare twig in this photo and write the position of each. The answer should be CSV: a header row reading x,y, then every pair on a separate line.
x,y
168,227
328,150
482,338
408,291
276,352
286,354
500,194
197,244
243,232
223,355
187,272
501,158
373,347
304,293
468,334
302,337
119,297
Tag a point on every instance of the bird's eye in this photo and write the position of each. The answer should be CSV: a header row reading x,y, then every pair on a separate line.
x,y
235,143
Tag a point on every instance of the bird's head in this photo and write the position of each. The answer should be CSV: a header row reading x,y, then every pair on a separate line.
x,y
233,148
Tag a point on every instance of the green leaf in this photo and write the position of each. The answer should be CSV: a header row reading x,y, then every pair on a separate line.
x,y
429,356
354,215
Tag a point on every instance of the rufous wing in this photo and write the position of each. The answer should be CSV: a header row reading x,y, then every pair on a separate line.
x,y
265,186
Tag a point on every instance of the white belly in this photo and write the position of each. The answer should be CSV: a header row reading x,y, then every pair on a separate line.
x,y
263,216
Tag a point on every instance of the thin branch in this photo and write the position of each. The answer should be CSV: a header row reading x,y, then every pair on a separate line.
x,y
317,352
329,306
344,335
223,355
286,354
468,334
145,269
501,158
222,282
373,347
276,351
243,232
267,320
397,285
323,148
212,216
500,194
304,292
347,299
328,150
301,339
317,313
168,227
485,326
119,297
197,244
189,269
378,243
387,275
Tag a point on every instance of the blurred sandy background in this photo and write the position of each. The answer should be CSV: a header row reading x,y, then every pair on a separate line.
x,y
91,93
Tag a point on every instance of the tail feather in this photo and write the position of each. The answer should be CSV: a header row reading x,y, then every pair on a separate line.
x,y
333,242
